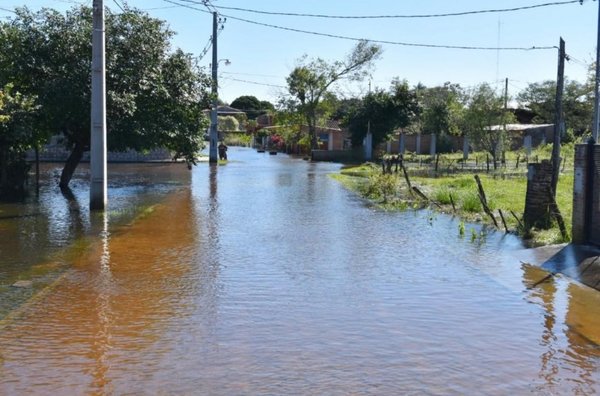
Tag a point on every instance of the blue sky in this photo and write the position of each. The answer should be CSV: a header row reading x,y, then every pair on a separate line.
x,y
263,55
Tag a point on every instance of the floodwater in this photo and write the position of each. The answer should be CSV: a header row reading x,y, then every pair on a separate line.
x,y
265,276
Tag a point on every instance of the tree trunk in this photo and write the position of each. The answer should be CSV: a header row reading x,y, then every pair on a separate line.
x,y
314,142
71,165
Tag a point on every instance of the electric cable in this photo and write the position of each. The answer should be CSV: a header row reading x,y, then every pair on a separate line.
x,y
452,14
407,44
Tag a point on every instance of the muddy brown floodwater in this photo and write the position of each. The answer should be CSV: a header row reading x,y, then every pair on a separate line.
x,y
265,276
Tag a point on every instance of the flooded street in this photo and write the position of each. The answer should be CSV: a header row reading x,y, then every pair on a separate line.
x,y
265,276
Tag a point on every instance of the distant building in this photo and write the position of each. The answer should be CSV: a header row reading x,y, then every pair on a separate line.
x,y
331,136
518,134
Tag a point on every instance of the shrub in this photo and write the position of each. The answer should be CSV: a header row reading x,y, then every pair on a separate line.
x,y
464,182
442,195
381,187
471,203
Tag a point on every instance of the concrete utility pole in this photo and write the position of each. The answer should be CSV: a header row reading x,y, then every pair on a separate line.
x,y
214,134
369,137
596,121
558,115
98,194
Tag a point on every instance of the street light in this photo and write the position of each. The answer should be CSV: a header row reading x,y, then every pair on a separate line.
x,y
214,134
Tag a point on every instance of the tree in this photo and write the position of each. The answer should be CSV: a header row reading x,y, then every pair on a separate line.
x,y
289,126
383,111
228,124
251,105
441,111
155,97
540,97
16,137
266,106
343,108
486,110
310,81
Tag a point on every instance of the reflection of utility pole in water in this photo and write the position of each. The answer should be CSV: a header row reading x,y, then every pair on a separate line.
x,y
548,291
98,194
583,322
213,184
213,222
105,285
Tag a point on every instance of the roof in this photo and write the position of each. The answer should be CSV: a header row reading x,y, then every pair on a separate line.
x,y
519,127
228,110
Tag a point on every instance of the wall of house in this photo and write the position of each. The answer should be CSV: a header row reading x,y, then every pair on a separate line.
x,y
338,140
539,136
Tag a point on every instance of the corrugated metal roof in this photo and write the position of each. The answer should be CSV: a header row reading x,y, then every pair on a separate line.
x,y
519,127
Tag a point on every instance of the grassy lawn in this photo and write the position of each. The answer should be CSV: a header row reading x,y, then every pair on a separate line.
x,y
506,193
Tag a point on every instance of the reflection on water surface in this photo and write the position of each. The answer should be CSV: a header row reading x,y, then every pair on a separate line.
x,y
264,276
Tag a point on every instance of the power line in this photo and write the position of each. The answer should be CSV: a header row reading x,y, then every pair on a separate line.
x,y
253,82
406,44
7,10
187,6
453,14
159,8
119,5
253,74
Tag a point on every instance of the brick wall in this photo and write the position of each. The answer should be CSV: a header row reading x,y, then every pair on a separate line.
x,y
538,199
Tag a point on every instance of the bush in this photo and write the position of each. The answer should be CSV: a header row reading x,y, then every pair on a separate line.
x,y
464,182
442,196
470,203
381,187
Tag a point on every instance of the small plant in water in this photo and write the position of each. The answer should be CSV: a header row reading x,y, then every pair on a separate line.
x,y
461,228
473,235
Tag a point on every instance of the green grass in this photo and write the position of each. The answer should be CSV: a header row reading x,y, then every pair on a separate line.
x,y
504,193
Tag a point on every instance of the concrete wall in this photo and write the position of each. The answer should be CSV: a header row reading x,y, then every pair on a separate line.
x,y
57,153
347,156
579,193
410,144
586,203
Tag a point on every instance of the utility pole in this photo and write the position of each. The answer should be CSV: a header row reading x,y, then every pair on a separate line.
x,y
98,194
505,94
558,116
369,138
597,85
214,134
501,141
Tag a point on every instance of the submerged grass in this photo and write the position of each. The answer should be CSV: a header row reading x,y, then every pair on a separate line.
x,y
504,193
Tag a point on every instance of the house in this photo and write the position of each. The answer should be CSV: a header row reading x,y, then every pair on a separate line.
x,y
330,136
526,135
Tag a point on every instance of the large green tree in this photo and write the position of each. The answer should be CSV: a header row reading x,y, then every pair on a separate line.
x,y
442,109
155,96
441,112
382,112
252,106
310,81
540,97
16,137
484,116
